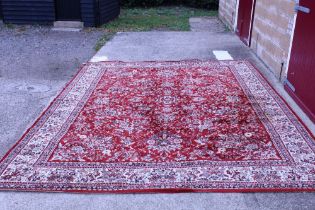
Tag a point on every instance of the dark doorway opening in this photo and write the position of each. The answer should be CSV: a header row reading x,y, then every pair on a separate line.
x,y
1,16
68,10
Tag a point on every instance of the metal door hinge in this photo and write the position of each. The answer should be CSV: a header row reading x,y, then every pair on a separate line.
x,y
289,84
299,8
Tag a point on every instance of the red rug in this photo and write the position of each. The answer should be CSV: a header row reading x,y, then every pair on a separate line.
x,y
186,126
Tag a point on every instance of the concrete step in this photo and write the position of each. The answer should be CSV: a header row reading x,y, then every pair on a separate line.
x,y
68,26
66,29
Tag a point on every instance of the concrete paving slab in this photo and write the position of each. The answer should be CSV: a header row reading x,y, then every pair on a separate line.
x,y
140,46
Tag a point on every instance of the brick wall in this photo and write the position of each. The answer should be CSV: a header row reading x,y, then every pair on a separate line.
x,y
227,12
272,30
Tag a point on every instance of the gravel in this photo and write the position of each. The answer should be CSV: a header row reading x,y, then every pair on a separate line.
x,y
36,52
35,64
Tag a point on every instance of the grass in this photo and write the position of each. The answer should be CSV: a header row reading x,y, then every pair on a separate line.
x,y
105,38
148,19
157,18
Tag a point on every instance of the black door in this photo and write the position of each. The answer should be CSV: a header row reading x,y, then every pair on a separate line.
x,y
1,17
68,10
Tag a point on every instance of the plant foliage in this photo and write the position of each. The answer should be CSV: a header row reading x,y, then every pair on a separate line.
x,y
205,4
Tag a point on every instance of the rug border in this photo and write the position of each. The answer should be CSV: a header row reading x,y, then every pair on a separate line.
x,y
282,98
166,190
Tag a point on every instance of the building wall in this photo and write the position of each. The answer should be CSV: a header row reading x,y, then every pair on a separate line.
x,y
227,12
28,11
272,29
93,12
88,12
108,10
272,32
42,12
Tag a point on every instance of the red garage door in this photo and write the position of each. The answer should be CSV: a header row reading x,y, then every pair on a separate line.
x,y
244,20
301,75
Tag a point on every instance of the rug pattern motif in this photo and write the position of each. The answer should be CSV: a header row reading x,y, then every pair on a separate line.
x,y
150,126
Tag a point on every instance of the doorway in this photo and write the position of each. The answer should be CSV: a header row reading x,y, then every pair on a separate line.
x,y
300,82
244,20
68,10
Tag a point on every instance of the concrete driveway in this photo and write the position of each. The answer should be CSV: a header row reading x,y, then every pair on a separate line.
x,y
31,77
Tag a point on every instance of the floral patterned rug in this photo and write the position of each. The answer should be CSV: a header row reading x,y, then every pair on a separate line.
x,y
186,126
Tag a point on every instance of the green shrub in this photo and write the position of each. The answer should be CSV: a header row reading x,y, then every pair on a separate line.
x,y
205,4
141,3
